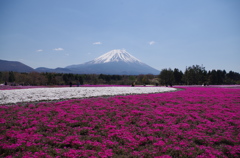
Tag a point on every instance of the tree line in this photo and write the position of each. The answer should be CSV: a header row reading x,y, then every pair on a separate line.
x,y
36,79
197,75
193,75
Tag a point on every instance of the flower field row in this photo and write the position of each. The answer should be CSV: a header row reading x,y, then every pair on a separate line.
x,y
41,94
3,87
7,87
196,122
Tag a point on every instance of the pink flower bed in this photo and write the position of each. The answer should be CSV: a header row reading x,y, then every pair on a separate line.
x,y
195,122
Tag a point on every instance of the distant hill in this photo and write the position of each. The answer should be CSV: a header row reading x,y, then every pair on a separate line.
x,y
15,66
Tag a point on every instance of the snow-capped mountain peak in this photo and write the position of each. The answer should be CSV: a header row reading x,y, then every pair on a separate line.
x,y
116,55
114,62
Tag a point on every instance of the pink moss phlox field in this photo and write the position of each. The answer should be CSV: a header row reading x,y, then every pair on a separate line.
x,y
196,122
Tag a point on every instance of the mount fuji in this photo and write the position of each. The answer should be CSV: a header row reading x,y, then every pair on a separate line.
x,y
117,61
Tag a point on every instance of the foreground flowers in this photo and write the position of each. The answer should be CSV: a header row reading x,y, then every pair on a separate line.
x,y
196,122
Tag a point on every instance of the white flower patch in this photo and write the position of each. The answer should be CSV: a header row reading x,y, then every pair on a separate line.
x,y
43,94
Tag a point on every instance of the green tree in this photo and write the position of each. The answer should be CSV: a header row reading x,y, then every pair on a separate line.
x,y
65,78
177,76
11,77
213,78
195,75
145,80
81,80
233,77
166,77
1,77
221,76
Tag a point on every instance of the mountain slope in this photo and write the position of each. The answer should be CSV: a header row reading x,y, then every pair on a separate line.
x,y
114,62
14,66
57,70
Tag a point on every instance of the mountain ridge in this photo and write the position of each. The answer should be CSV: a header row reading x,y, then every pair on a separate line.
x,y
15,66
114,62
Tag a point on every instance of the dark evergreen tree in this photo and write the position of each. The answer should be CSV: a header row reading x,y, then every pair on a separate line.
x,y
177,76
11,77
81,80
233,77
220,76
65,79
166,77
213,78
1,77
194,75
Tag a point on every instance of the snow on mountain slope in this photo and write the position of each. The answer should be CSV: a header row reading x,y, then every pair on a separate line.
x,y
116,55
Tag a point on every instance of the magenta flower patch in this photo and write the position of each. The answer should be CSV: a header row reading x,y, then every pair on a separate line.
x,y
195,122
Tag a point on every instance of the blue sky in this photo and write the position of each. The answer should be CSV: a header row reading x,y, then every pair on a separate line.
x,y
160,33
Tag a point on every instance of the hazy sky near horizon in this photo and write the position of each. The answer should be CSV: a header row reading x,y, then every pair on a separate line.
x,y
160,33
